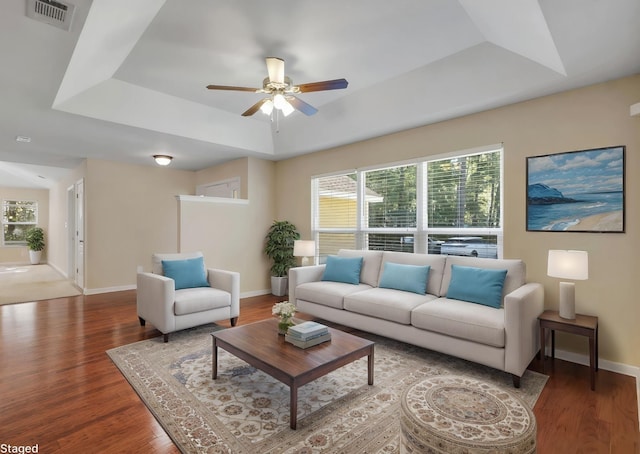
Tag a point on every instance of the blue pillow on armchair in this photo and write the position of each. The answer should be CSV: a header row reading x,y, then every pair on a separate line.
x,y
187,273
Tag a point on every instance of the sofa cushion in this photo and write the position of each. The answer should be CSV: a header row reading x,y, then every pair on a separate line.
x,y
200,299
476,285
435,262
473,322
327,293
342,269
387,304
187,273
370,264
409,278
516,271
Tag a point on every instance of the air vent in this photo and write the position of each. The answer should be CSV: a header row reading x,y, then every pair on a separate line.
x,y
50,12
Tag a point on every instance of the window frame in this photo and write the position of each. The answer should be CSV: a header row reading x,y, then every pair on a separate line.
x,y
421,232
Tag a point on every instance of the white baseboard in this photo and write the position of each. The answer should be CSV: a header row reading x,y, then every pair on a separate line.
x,y
619,368
97,291
255,293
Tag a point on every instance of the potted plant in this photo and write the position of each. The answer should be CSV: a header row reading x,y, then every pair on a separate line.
x,y
279,248
35,242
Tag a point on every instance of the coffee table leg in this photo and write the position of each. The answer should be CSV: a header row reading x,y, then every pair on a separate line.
x,y
293,402
214,359
370,366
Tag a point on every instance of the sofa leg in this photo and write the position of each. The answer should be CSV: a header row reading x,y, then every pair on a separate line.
x,y
516,381
142,321
166,337
234,321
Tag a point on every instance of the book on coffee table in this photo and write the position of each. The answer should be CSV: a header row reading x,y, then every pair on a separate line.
x,y
307,330
308,343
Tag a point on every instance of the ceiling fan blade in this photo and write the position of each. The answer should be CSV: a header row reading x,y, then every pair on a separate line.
x,y
253,109
302,106
335,84
227,87
275,67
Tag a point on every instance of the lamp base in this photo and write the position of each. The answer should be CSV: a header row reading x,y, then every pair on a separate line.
x,y
568,300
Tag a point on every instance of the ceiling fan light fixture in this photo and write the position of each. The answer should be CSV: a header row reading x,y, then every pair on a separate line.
x,y
287,109
267,107
162,159
279,102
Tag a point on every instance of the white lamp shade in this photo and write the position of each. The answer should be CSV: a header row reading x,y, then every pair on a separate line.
x,y
304,248
568,264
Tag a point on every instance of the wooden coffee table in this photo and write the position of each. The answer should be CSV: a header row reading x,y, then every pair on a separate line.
x,y
260,345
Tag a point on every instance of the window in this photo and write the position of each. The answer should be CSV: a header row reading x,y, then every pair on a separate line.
x,y
335,207
449,205
17,218
390,218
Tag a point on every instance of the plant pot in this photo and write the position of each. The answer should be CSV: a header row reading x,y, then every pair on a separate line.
x,y
35,256
279,285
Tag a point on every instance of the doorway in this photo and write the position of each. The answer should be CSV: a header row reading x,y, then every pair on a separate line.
x,y
75,233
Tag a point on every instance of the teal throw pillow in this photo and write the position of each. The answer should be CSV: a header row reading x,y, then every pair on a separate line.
x,y
477,285
342,269
187,273
410,278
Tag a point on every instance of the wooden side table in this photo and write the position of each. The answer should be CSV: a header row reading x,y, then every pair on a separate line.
x,y
583,325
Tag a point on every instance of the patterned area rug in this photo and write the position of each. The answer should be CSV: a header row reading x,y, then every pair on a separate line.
x,y
247,411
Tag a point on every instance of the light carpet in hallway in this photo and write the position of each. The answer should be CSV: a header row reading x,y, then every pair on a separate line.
x,y
22,283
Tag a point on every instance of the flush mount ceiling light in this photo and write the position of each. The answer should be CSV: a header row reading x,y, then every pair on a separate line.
x,y
162,159
23,139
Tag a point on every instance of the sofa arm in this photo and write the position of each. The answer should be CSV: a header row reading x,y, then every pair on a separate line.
x,y
229,281
521,310
302,274
155,296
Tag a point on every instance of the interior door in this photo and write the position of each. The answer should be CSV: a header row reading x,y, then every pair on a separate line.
x,y
70,225
79,228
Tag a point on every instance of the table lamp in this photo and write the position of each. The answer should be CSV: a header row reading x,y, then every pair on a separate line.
x,y
568,265
304,249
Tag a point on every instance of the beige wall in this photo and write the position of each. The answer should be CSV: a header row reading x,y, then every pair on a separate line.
x,y
131,212
595,116
230,233
231,169
20,254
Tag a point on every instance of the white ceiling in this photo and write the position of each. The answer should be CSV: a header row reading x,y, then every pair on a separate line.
x,y
128,80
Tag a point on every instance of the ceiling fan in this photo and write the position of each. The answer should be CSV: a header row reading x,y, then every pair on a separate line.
x,y
282,92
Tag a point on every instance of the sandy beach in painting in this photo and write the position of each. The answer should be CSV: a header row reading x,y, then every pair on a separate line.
x,y
610,222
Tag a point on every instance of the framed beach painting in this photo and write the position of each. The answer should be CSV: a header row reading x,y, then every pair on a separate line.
x,y
577,191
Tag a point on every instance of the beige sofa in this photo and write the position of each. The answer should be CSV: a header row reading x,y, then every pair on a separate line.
x,y
505,338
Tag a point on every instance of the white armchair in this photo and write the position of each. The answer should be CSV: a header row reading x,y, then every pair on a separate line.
x,y
171,310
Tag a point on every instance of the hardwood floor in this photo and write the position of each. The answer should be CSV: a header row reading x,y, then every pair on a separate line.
x,y
59,389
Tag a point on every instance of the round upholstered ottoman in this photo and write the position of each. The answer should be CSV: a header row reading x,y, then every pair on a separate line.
x,y
454,415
